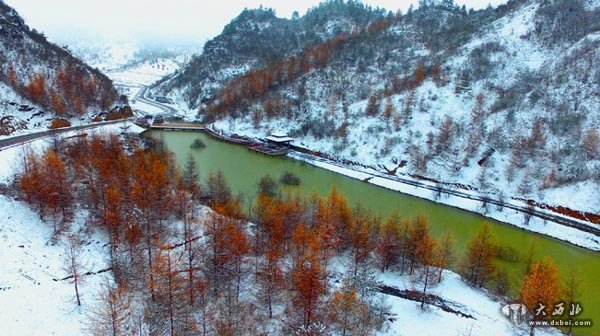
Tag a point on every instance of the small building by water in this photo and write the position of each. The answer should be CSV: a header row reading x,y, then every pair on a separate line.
x,y
275,144
279,139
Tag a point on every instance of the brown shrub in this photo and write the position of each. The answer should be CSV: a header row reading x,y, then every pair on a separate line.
x,y
60,123
119,113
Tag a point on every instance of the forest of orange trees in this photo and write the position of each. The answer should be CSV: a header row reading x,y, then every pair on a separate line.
x,y
255,85
70,91
195,263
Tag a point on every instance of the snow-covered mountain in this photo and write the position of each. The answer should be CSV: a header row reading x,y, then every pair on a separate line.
x,y
110,55
40,81
257,38
102,53
146,72
505,99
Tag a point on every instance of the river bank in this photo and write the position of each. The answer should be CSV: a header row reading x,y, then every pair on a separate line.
x,y
582,234
519,213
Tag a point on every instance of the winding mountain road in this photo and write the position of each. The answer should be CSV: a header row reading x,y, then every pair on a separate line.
x,y
21,139
141,96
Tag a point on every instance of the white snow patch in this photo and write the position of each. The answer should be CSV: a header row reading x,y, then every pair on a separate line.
x,y
31,301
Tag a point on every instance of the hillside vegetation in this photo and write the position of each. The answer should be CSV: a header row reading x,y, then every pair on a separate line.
x,y
186,258
40,80
503,99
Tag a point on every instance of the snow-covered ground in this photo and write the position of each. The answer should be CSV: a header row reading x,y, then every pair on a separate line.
x,y
33,303
144,73
433,321
33,299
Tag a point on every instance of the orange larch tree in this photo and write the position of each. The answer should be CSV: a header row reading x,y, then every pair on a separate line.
x,y
30,182
360,238
56,187
170,285
389,242
333,221
292,213
446,253
428,252
541,290
150,193
347,312
226,246
57,104
418,232
112,315
308,281
419,76
113,214
36,89
479,264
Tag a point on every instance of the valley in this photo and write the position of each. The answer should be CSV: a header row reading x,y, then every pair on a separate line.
x,y
443,178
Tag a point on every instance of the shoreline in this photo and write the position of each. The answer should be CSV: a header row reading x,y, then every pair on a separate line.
x,y
541,222
538,226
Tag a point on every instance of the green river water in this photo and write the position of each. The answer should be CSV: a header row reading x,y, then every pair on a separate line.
x,y
243,169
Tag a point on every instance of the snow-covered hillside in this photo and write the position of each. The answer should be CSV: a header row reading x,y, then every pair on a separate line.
x,y
487,318
40,81
256,38
113,54
146,72
102,53
33,298
18,114
33,301
504,100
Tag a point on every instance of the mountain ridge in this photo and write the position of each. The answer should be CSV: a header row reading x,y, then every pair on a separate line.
x,y
504,99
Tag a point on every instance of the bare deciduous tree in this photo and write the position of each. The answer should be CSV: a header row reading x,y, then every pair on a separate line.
x,y
112,313
73,265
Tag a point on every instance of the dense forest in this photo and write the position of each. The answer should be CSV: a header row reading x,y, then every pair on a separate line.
x,y
187,259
